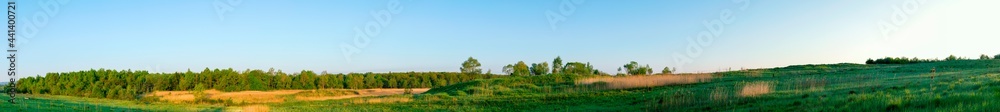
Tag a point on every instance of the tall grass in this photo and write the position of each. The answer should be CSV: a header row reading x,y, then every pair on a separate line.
x,y
638,81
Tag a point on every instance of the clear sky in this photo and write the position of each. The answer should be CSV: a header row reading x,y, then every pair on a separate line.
x,y
437,35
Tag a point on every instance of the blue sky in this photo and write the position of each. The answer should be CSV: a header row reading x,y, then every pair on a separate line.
x,y
437,35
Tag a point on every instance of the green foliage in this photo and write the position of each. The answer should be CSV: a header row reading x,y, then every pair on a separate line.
x,y
900,60
996,56
471,66
540,68
519,69
199,93
951,58
984,57
306,80
633,68
131,85
510,86
579,68
967,85
51,103
666,70
557,65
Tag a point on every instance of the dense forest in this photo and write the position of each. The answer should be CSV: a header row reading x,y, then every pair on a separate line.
x,y
128,84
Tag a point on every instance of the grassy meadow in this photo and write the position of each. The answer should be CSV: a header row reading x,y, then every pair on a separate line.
x,y
964,85
961,85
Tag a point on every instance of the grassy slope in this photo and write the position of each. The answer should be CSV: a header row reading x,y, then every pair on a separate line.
x,y
70,103
968,85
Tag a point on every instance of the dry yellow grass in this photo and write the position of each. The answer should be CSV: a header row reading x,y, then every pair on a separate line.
x,y
646,80
274,96
381,100
755,89
256,108
720,94
362,93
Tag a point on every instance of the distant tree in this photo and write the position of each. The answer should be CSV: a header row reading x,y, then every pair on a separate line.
x,y
557,65
283,81
258,80
509,69
540,68
471,66
870,61
521,69
666,70
951,58
354,81
371,81
336,81
633,68
307,80
578,68
323,81
984,57
996,56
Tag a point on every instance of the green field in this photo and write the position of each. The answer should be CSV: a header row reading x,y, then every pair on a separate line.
x,y
29,103
962,85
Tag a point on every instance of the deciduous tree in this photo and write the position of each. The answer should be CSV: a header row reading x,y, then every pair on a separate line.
x,y
471,66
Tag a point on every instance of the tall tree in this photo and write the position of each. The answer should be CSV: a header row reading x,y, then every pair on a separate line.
x,y
984,57
509,69
307,79
951,58
578,68
557,65
633,68
283,81
521,69
471,66
666,70
540,68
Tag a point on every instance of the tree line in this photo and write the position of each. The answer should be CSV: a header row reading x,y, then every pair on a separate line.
x,y
523,69
128,84
577,68
905,60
